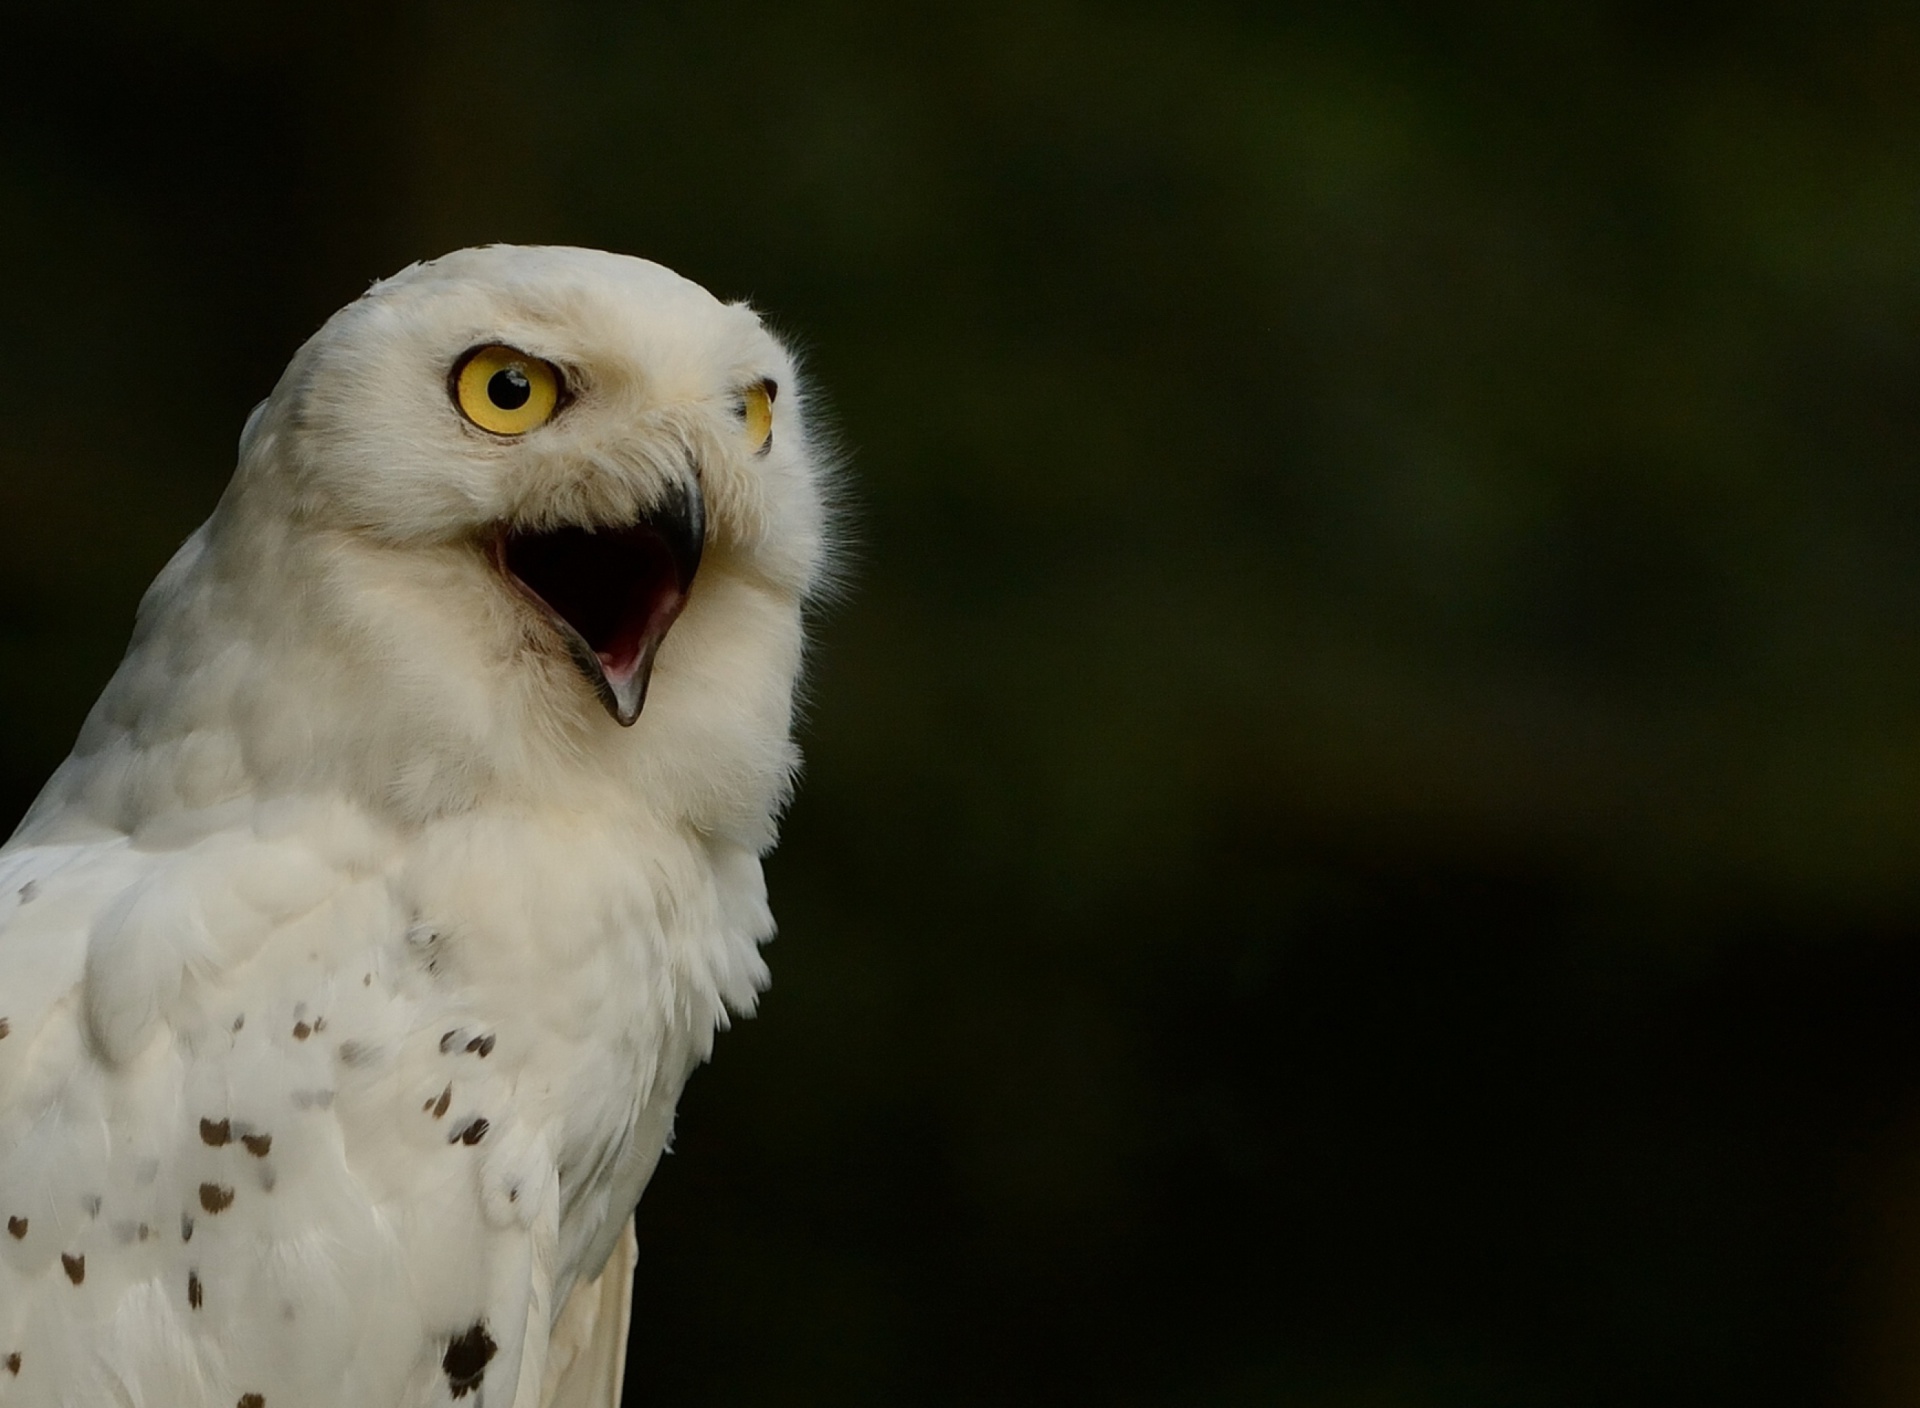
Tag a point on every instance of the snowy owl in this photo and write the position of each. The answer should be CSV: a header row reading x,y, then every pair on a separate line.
x,y
352,964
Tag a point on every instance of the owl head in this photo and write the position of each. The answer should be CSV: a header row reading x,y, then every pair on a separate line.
x,y
594,428
522,521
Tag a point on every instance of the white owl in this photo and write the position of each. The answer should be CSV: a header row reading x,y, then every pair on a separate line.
x,y
351,966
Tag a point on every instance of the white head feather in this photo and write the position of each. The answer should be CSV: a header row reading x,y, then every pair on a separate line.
x,y
338,624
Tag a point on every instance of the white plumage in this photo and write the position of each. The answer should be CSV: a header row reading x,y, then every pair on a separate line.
x,y
351,966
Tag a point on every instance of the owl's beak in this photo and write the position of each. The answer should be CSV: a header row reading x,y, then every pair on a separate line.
x,y
612,594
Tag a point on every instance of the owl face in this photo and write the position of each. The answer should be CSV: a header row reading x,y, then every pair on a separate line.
x,y
594,429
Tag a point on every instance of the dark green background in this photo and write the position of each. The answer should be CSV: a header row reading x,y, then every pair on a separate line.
x,y
1361,843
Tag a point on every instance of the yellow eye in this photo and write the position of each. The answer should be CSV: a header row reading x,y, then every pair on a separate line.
x,y
505,391
758,414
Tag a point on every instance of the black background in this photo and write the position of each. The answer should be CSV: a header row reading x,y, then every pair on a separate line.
x,y
1361,843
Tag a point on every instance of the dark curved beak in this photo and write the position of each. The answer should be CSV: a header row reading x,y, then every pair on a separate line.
x,y
612,593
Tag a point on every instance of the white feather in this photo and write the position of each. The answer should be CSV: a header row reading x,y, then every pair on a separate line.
x,y
353,963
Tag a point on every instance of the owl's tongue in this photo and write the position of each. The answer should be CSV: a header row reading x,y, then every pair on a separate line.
x,y
613,593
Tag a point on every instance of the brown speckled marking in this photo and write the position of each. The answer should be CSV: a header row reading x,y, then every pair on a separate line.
x,y
367,981
76,1267
17,1226
194,1293
481,1046
5,1027
145,1232
301,1031
319,1024
216,1134
473,1133
13,1363
439,1107
215,1198
447,1041
92,1203
466,1359
259,1145
240,1021
186,1227
251,1400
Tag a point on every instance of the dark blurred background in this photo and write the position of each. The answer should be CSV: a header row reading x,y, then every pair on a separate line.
x,y
1361,843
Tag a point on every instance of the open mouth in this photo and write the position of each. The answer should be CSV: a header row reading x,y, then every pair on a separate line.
x,y
611,593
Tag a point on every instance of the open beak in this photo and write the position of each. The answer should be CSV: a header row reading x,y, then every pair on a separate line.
x,y
611,593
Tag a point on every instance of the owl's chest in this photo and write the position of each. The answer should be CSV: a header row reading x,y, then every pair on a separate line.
x,y
562,997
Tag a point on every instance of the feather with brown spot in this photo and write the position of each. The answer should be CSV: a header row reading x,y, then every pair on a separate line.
x,y
467,1357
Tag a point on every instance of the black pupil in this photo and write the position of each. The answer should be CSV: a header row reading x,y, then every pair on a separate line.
x,y
509,388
